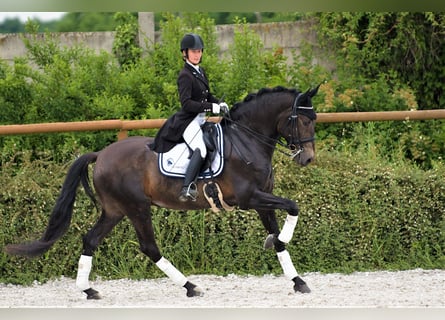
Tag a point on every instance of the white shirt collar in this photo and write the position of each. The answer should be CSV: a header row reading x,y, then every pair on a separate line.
x,y
195,67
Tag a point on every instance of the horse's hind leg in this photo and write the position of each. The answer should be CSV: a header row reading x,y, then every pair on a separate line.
x,y
90,243
142,222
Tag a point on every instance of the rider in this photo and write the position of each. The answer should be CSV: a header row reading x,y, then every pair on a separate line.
x,y
185,124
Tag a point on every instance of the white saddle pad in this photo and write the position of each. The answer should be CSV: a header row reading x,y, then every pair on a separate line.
x,y
174,163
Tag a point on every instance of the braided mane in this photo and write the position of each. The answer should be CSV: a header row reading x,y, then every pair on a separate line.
x,y
252,96
237,110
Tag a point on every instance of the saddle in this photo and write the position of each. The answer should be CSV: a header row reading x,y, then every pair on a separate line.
x,y
174,163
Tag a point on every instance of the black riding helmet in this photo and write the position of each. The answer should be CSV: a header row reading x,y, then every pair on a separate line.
x,y
192,41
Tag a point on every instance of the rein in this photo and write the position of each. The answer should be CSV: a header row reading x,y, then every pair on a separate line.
x,y
271,142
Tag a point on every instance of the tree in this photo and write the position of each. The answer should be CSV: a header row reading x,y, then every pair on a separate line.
x,y
13,25
403,47
87,22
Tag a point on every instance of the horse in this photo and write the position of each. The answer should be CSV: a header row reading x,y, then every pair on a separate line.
x,y
127,182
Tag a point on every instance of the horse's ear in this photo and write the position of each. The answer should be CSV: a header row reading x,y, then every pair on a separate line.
x,y
314,91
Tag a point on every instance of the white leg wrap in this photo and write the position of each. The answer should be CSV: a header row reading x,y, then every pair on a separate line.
x,y
174,274
287,265
83,272
288,229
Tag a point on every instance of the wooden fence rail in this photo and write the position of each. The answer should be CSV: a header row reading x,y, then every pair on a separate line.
x,y
125,125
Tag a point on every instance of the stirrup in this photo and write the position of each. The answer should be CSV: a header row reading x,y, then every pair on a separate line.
x,y
189,192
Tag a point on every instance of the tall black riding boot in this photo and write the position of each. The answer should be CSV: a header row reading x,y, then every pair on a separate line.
x,y
189,189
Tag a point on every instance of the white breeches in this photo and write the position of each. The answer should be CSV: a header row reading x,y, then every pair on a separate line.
x,y
193,135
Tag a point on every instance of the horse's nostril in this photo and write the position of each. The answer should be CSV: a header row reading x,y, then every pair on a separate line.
x,y
306,161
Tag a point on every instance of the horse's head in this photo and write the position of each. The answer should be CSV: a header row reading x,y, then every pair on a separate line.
x,y
298,128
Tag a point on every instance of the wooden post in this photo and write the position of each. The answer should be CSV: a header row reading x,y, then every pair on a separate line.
x,y
122,134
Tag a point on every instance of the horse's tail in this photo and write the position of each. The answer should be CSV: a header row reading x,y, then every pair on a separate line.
x,y
60,218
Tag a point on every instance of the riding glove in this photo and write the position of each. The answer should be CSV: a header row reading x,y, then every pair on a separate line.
x,y
224,107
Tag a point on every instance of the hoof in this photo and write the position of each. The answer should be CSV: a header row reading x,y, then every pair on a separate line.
x,y
268,243
300,286
193,290
92,294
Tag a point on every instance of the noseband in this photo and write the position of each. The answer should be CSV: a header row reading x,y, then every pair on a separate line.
x,y
295,143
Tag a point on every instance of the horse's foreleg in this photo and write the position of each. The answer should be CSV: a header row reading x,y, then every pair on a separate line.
x,y
264,202
286,262
290,272
284,257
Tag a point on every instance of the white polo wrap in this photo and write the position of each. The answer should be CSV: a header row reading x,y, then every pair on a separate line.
x,y
288,229
83,272
174,274
287,265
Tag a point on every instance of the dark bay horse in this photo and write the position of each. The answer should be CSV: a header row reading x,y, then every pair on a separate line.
x,y
127,182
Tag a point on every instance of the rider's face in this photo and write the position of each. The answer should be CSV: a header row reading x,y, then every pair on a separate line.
x,y
194,56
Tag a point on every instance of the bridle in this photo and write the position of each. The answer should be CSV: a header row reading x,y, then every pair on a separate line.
x,y
294,143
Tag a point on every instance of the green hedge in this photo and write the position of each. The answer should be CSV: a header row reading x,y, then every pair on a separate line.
x,y
357,213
